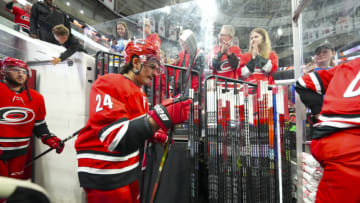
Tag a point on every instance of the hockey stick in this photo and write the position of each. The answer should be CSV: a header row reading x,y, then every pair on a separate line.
x,y
170,136
47,62
50,149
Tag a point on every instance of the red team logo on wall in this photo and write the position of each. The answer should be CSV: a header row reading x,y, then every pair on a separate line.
x,y
16,115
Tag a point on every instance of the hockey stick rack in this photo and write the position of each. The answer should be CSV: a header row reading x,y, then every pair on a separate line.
x,y
245,141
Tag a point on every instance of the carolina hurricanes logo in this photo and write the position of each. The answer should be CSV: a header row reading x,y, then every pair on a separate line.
x,y
16,115
225,67
26,18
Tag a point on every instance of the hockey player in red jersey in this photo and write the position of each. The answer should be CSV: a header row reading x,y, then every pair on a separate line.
x,y
22,112
225,58
108,147
336,136
260,62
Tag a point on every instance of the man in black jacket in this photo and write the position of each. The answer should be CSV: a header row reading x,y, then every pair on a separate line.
x,y
63,36
43,17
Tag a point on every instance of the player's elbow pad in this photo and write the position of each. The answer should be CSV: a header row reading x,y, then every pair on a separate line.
x,y
138,131
310,98
41,128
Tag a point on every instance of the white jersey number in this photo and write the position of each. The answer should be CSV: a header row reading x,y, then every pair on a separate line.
x,y
351,91
106,102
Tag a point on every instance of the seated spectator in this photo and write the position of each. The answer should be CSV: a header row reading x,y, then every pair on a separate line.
x,y
45,16
66,39
22,16
323,58
225,57
260,62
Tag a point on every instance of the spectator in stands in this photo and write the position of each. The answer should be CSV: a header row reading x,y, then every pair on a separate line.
x,y
22,114
149,36
22,16
66,39
260,62
154,39
225,58
336,137
323,58
123,37
189,57
45,16
118,46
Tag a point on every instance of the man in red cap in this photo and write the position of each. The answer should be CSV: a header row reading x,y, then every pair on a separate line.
x,y
22,112
119,123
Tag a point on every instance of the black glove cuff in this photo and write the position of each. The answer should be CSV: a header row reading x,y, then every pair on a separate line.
x,y
45,137
312,119
163,115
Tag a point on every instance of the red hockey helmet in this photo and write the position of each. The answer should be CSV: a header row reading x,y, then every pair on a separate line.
x,y
13,62
145,50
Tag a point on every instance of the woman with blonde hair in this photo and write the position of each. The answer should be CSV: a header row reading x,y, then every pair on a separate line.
x,y
260,62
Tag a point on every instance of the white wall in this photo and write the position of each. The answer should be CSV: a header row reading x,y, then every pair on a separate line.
x,y
65,90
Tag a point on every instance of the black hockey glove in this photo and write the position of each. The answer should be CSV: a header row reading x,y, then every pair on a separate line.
x,y
233,60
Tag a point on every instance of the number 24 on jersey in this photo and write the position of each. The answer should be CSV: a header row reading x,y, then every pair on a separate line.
x,y
101,102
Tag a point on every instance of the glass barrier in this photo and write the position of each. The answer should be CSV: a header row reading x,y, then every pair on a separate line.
x,y
215,29
330,37
205,19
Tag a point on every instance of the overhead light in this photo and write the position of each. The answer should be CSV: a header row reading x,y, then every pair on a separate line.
x,y
208,7
81,11
279,31
167,9
68,3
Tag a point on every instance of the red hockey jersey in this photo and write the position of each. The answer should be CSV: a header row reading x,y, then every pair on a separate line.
x,y
21,18
103,163
154,39
260,73
225,68
341,86
18,115
195,78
